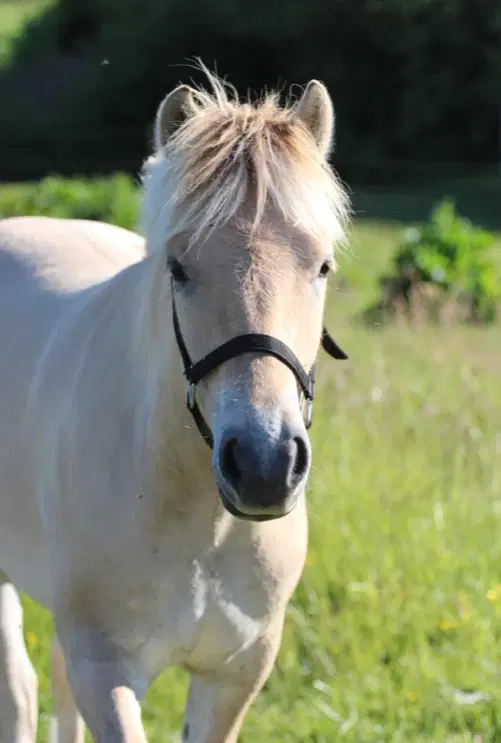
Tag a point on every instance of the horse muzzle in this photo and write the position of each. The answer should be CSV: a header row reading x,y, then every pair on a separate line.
x,y
261,477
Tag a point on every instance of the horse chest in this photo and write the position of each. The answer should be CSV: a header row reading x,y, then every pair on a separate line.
x,y
202,613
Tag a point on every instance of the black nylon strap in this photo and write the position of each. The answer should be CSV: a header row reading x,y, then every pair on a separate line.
x,y
331,347
191,402
179,336
203,428
250,343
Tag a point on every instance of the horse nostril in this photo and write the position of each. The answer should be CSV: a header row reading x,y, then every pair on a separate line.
x,y
301,461
229,466
262,473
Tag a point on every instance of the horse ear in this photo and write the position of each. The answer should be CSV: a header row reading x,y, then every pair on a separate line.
x,y
174,110
316,112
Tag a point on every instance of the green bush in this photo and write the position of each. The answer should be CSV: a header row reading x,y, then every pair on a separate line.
x,y
447,263
114,199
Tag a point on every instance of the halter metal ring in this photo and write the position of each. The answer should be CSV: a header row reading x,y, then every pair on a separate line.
x,y
191,396
308,412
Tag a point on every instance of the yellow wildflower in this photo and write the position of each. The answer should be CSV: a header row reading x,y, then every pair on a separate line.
x,y
494,594
32,640
446,624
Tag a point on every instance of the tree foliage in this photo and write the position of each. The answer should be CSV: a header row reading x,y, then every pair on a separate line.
x,y
413,80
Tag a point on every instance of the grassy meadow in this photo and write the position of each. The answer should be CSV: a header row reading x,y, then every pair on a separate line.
x,y
395,631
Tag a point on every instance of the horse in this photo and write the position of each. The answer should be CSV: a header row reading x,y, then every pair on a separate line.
x,y
156,391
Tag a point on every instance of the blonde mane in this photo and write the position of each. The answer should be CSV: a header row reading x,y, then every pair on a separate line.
x,y
230,152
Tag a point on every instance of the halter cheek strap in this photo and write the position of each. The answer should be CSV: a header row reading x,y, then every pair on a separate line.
x,y
240,344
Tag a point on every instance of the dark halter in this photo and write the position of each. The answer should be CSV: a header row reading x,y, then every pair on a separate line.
x,y
240,344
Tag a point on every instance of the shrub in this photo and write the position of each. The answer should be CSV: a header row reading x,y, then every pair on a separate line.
x,y
114,199
443,269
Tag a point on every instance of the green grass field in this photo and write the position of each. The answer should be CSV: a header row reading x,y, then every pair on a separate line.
x,y
395,631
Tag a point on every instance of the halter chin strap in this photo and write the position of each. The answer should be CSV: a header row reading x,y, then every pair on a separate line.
x,y
240,344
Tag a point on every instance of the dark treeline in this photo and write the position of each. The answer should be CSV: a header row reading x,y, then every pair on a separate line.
x,y
413,81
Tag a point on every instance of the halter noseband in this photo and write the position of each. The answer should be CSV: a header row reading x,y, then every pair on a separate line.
x,y
240,344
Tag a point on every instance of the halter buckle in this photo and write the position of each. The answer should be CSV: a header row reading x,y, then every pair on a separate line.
x,y
308,412
191,396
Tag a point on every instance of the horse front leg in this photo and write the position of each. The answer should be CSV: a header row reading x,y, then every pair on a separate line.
x,y
69,726
218,702
106,685
18,680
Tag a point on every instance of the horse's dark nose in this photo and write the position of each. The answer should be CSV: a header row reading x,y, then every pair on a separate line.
x,y
261,477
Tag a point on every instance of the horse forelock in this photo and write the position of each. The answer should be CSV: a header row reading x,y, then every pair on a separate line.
x,y
231,154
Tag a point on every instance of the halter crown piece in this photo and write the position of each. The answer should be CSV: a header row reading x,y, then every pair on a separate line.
x,y
240,344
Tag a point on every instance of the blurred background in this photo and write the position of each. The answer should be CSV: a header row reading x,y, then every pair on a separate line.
x,y
394,634
416,84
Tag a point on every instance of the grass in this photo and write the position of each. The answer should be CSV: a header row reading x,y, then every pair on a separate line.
x,y
395,631
14,14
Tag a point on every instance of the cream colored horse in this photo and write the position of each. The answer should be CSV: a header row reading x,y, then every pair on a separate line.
x,y
149,549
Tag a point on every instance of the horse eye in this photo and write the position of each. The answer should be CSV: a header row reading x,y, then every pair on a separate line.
x,y
177,271
324,270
